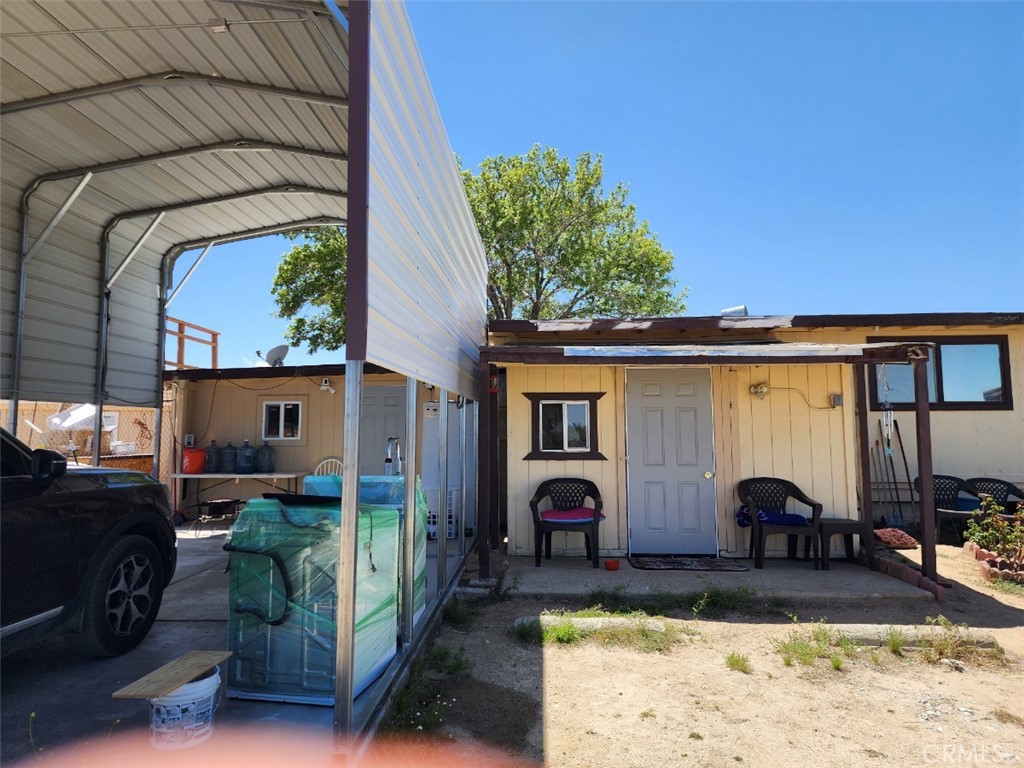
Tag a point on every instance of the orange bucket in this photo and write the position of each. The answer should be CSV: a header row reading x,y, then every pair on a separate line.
x,y
192,460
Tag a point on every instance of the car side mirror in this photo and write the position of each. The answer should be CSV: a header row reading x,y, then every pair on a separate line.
x,y
48,465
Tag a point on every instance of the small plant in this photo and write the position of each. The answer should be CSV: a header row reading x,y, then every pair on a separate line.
x,y
836,661
895,640
696,736
563,633
529,631
992,529
457,614
616,602
738,662
647,714
713,600
875,658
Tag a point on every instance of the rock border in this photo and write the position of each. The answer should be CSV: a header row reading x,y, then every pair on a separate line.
x,y
991,566
910,575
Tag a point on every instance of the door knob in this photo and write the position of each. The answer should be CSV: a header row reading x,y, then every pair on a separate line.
x,y
709,475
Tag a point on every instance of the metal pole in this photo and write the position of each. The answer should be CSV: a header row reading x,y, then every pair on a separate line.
x,y
161,351
408,567
476,470
348,533
26,254
188,274
135,248
924,465
462,479
442,492
483,474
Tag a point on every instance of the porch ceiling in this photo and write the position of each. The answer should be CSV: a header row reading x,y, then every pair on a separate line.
x,y
677,354
153,125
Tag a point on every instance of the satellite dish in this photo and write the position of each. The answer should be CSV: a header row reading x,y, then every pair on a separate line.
x,y
275,357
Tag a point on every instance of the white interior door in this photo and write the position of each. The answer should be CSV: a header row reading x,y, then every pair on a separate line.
x,y
670,463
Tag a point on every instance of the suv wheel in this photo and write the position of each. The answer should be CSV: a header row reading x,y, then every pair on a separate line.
x,y
123,598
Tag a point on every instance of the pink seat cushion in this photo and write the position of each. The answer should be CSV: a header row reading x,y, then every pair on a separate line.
x,y
578,515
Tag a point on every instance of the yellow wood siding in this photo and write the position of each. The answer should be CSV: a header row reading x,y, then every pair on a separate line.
x,y
232,410
780,436
525,476
964,443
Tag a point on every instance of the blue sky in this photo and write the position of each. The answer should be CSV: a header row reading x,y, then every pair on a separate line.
x,y
799,158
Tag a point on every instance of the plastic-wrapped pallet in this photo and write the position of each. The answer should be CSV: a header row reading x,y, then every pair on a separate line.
x,y
283,599
387,490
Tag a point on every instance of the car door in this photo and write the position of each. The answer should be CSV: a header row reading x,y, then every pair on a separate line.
x,y
38,531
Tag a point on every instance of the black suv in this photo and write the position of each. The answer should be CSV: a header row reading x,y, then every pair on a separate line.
x,y
85,549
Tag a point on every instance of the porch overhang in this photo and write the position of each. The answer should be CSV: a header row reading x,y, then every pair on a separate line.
x,y
783,353
859,355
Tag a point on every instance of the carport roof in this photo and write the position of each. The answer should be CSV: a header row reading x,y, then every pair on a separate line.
x,y
161,124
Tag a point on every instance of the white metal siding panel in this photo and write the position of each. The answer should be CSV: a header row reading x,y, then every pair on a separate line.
x,y
427,271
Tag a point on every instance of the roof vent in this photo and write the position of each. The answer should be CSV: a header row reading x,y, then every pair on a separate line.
x,y
738,311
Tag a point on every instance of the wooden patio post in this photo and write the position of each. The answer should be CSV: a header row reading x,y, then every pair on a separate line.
x,y
864,452
924,468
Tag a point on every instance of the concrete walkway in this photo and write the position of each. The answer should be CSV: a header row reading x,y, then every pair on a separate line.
x,y
792,580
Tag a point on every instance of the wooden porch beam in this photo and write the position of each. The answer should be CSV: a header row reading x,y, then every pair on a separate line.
x,y
924,468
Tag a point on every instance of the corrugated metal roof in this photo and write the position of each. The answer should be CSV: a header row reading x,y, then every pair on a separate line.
x,y
255,108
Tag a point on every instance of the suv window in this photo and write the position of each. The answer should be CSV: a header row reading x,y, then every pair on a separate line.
x,y
12,461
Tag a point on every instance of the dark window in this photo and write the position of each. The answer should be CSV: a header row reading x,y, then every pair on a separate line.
x,y
281,421
564,425
964,373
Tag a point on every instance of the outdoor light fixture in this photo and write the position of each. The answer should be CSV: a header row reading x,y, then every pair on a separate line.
x,y
325,385
760,390
217,26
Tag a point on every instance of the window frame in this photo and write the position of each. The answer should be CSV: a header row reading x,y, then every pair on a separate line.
x,y
935,366
265,404
537,399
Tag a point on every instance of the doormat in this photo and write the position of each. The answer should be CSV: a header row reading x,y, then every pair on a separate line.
x,y
686,564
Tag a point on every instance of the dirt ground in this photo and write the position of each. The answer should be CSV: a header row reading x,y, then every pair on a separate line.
x,y
589,704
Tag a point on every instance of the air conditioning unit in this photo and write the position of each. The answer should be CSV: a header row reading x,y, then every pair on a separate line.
x,y
453,513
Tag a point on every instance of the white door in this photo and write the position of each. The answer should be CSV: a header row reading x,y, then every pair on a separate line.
x,y
383,416
670,463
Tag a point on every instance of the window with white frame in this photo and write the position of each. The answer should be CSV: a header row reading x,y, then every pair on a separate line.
x,y
564,425
282,420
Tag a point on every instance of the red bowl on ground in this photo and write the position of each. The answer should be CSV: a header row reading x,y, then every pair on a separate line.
x,y
611,565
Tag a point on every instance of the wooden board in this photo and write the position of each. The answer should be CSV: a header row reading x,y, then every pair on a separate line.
x,y
172,675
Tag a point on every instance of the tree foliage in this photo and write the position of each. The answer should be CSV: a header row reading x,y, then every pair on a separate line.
x,y
309,288
556,245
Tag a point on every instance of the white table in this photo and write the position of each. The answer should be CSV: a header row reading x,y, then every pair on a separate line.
x,y
271,479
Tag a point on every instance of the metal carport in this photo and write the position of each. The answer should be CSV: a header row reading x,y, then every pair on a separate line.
x,y
130,132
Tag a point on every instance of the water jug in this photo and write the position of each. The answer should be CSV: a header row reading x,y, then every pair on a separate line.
x,y
265,458
226,459
212,457
245,459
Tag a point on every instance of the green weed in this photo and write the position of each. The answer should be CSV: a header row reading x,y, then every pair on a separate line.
x,y
738,662
457,614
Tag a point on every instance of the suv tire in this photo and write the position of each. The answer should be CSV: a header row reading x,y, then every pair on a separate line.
x,y
123,597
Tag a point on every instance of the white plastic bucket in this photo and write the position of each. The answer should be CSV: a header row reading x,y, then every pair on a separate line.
x,y
184,717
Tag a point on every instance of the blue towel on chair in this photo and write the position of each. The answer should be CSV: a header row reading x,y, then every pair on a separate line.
x,y
743,519
780,518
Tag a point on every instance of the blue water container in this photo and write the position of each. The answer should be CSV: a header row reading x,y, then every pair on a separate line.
x,y
226,459
210,464
245,459
265,458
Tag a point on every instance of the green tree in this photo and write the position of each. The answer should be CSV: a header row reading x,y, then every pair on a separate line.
x,y
556,246
312,275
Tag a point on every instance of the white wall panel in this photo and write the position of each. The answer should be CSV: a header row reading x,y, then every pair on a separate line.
x,y
427,274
